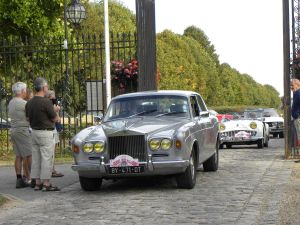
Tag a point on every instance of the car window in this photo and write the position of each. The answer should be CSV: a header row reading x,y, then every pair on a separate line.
x,y
194,106
201,103
148,106
270,113
253,114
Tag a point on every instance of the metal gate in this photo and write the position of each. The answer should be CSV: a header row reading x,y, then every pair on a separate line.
x,y
75,73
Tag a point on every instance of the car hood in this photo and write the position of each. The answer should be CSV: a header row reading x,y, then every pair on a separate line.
x,y
273,119
134,126
239,124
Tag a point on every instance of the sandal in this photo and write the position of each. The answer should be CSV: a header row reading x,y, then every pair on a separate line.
x,y
50,188
38,187
57,174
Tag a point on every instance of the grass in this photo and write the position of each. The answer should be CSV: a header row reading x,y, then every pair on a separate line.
x,y
58,160
7,158
3,200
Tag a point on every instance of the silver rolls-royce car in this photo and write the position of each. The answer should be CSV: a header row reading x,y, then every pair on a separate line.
x,y
145,134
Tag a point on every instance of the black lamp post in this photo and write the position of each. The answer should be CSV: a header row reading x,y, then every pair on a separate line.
x,y
74,13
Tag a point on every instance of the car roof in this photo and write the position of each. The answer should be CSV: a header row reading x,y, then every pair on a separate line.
x,y
157,93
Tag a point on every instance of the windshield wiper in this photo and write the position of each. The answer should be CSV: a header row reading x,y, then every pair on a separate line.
x,y
168,113
143,113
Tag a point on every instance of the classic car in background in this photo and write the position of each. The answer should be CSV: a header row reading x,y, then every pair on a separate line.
x,y
245,131
274,121
4,124
221,117
148,133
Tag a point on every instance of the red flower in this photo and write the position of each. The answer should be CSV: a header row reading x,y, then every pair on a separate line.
x,y
124,75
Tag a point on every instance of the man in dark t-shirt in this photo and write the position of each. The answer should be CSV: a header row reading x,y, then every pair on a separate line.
x,y
41,116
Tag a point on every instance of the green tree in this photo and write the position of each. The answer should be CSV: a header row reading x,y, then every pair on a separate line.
x,y
31,17
121,19
199,35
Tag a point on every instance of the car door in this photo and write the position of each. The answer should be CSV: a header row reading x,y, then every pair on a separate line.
x,y
199,128
210,127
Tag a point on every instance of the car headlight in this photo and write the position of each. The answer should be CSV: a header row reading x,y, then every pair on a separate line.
x,y
88,147
99,147
154,144
222,126
253,125
166,144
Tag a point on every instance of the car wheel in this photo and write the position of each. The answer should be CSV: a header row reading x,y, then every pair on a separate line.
x,y
221,146
90,184
281,135
212,164
260,143
187,179
228,145
266,144
275,135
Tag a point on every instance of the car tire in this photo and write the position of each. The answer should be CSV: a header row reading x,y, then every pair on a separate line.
x,y
266,144
281,135
187,180
221,146
275,135
260,143
90,184
228,145
212,164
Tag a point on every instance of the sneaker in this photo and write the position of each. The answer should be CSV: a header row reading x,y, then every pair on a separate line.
x,y
32,183
20,183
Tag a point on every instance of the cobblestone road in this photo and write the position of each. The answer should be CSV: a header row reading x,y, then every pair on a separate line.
x,y
247,189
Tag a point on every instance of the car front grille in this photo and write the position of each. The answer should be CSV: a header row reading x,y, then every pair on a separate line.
x,y
128,145
276,124
234,132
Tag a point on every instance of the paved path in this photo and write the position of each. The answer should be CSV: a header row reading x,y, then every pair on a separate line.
x,y
247,189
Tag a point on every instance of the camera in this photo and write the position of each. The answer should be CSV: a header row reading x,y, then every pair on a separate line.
x,y
56,101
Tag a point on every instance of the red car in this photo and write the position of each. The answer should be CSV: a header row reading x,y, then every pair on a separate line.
x,y
221,116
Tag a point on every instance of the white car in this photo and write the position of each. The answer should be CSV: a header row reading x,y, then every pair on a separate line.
x,y
274,121
251,129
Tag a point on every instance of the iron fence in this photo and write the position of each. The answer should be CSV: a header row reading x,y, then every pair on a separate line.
x,y
75,73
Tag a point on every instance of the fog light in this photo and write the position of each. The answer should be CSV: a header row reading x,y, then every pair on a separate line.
x,y
253,125
88,147
154,144
99,147
166,144
222,126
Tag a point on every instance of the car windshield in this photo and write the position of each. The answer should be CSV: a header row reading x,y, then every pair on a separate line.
x,y
156,105
270,113
253,114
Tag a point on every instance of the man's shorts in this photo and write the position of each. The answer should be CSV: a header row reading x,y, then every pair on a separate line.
x,y
22,142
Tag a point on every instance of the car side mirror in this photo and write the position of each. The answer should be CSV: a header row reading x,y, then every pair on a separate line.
x,y
204,114
98,119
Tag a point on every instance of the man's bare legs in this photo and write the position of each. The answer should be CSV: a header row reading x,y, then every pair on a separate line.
x,y
27,161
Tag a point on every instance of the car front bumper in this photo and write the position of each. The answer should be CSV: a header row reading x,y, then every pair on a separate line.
x,y
275,130
101,170
233,140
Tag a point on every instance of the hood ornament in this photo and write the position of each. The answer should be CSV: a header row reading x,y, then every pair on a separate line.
x,y
126,124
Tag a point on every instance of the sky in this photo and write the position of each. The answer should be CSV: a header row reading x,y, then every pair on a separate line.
x,y
247,34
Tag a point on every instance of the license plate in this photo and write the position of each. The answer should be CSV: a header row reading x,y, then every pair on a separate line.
x,y
126,169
